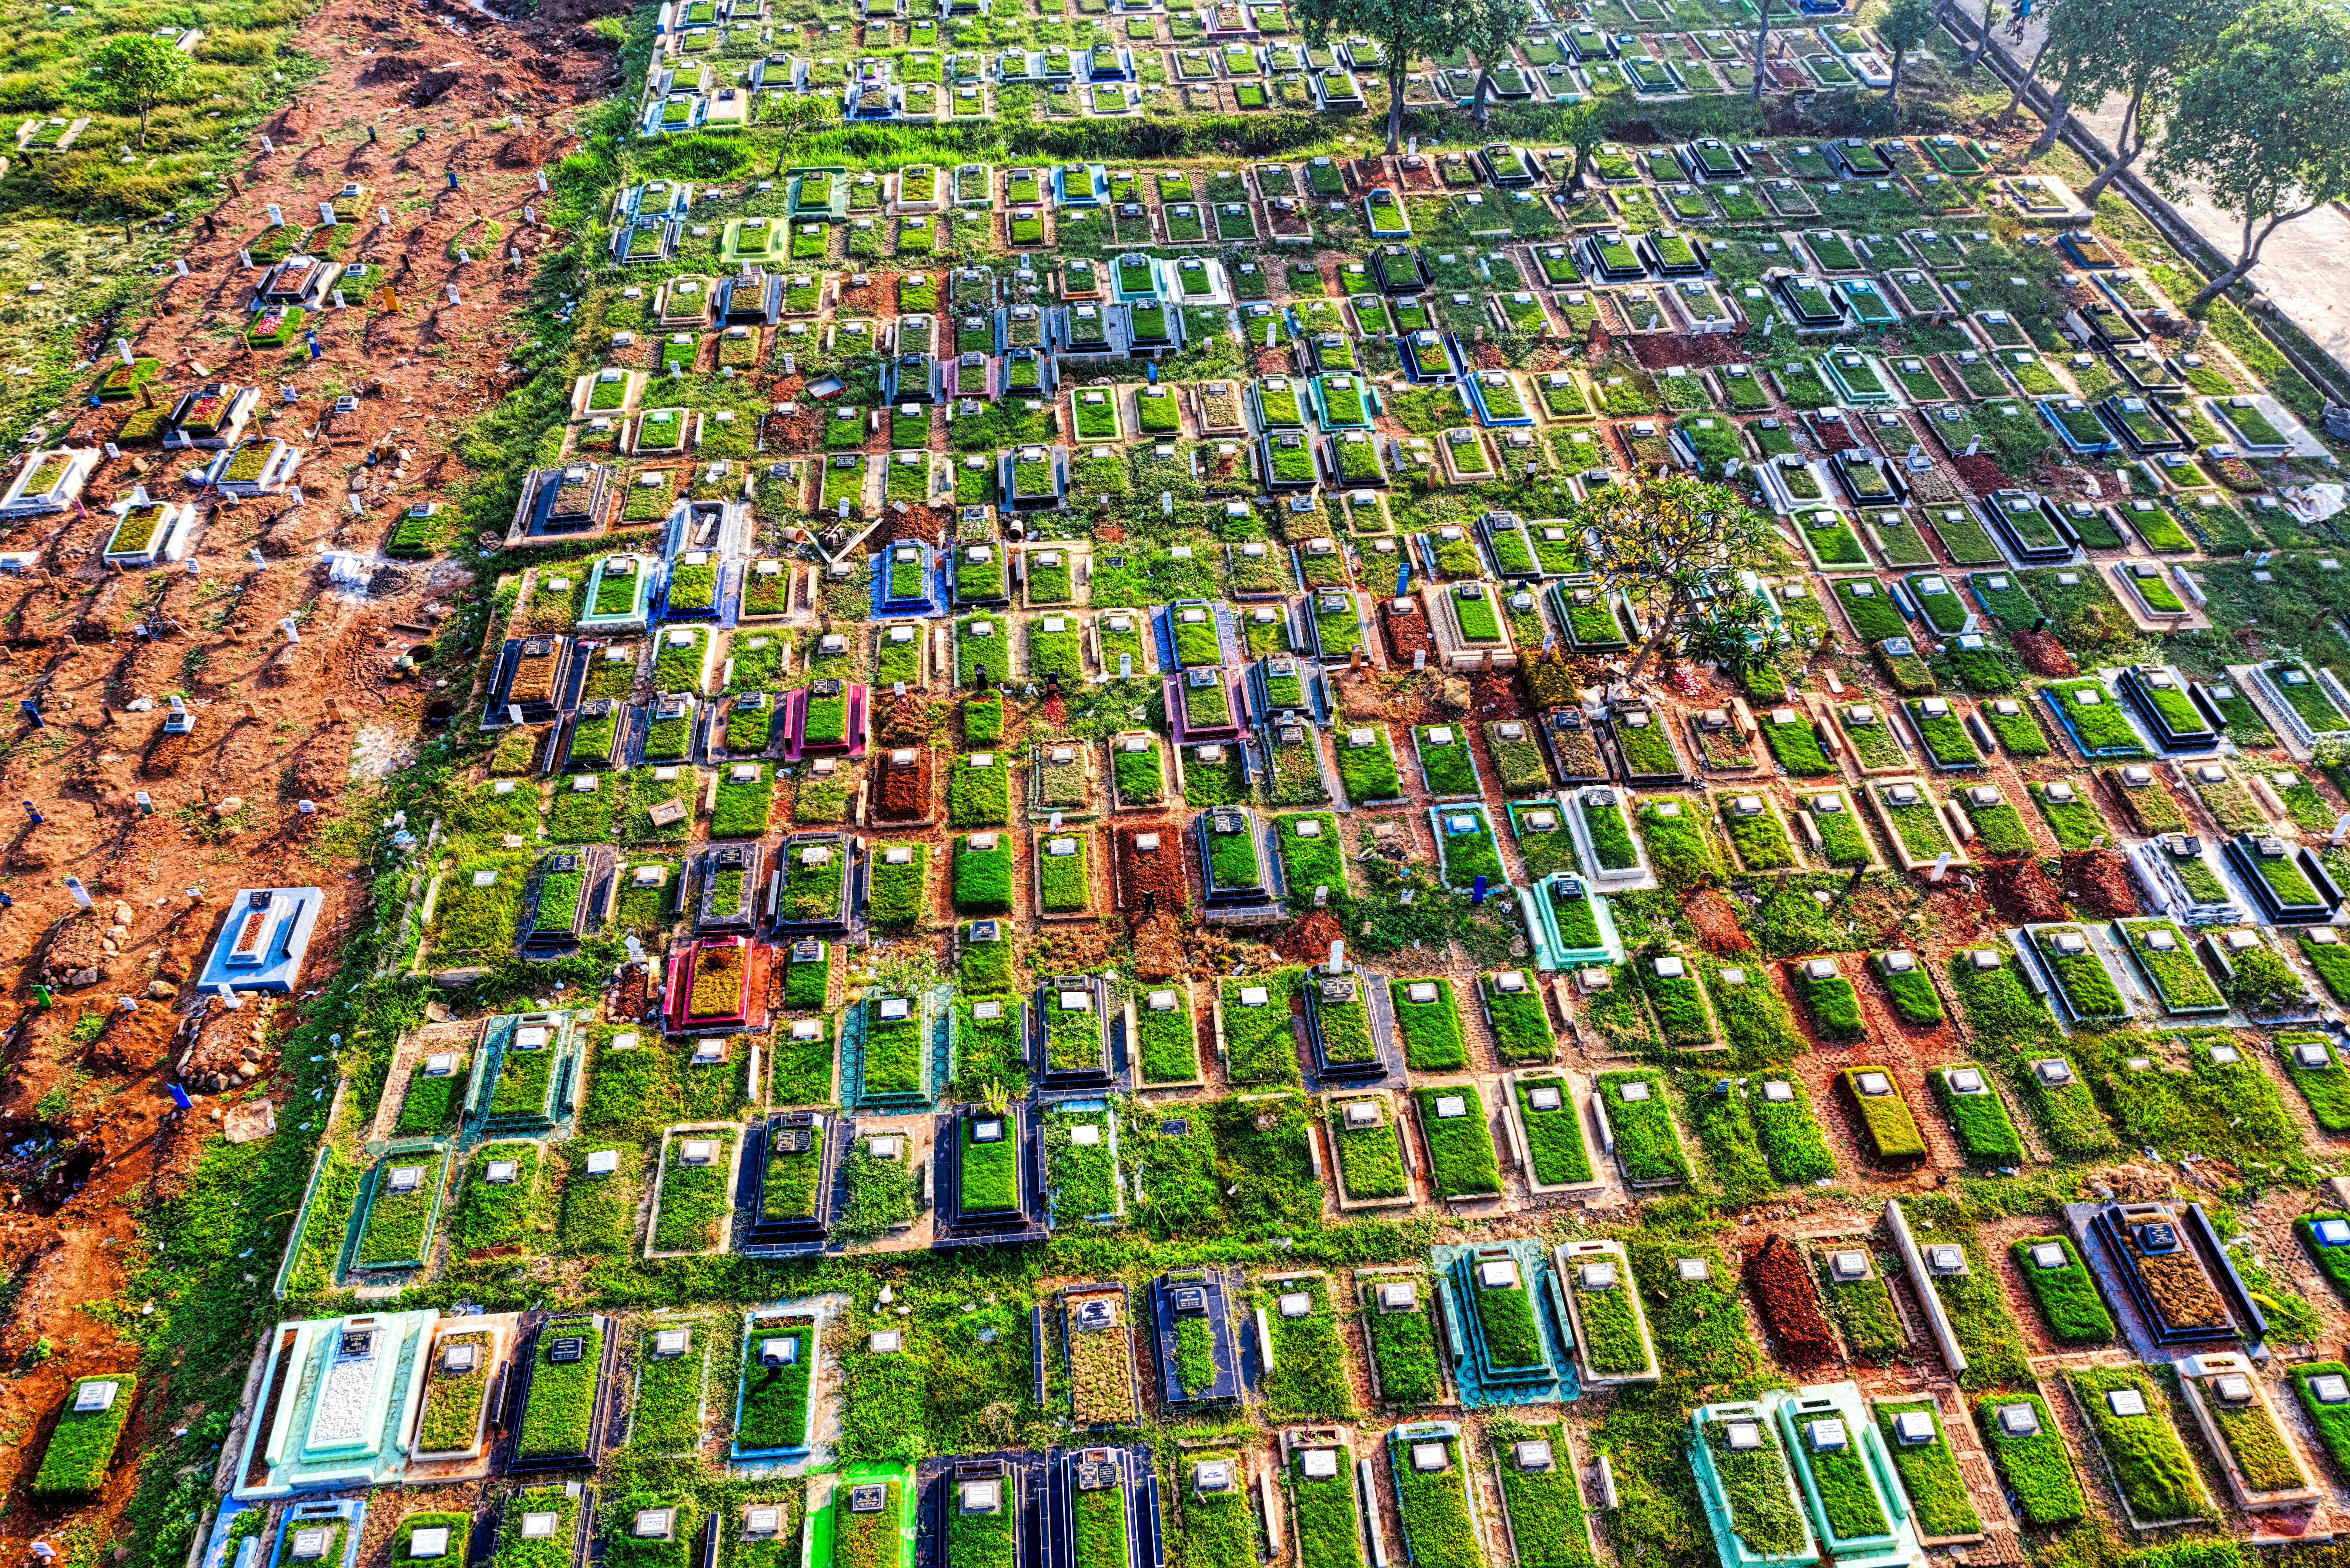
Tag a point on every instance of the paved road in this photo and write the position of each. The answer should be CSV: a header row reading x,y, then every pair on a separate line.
x,y
2305,266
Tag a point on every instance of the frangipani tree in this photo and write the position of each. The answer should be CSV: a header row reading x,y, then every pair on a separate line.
x,y
1669,541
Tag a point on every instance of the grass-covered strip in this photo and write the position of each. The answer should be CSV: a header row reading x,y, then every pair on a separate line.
x,y
776,1398
2037,1470
2331,1421
1760,1494
1432,1040
1260,1046
81,1447
1438,1529
1980,1123
1306,1379
1833,1005
1554,1143
2150,1466
558,1415
2067,1296
1329,1527
1929,1473
1645,1141
1521,1024
695,1200
1460,1148
1677,846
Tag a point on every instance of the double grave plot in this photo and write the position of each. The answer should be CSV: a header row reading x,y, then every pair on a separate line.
x,y
1198,1348
990,1190
565,1395
774,1399
2288,884
2149,1247
1504,1323
797,1157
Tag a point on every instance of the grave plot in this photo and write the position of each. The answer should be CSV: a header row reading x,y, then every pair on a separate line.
x,y
1294,773
774,1397
1677,843
1070,1026
1467,854
1083,1180
2288,884
717,985
2174,1298
569,1373
1305,1375
394,1230
988,1180
1635,1126
1544,841
1914,825
2259,1458
1887,1129
1605,842
2316,1066
1434,1497
2029,1452
1603,1306
693,1191
672,1367
1368,1153
1506,1333
2063,1289
2323,1387
1749,1491
1544,1113
498,1206
1911,1430
1841,1470
1138,772
1871,739
1458,1135
80,1447
1366,768
2160,950
1196,1343
1097,1353
1229,848
2077,972
799,1159
1644,743
873,1509
2224,799
1850,1278
2148,1465
1064,874
451,1437
1978,1116
1543,1517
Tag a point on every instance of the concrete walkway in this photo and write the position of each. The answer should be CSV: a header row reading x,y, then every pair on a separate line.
x,y
2305,266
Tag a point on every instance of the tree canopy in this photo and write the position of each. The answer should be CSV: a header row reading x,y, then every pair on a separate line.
x,y
1411,29
134,72
2132,48
1670,542
2258,127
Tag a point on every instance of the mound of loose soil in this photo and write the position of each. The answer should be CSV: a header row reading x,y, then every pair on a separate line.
x,y
1716,921
1981,474
2022,893
905,792
1407,633
2100,883
1151,875
1787,1304
2042,654
1308,940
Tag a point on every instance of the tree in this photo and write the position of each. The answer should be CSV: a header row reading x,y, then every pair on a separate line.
x,y
1764,9
2134,48
1405,29
133,72
1905,25
2046,12
1669,542
1485,28
1735,636
1982,44
2258,128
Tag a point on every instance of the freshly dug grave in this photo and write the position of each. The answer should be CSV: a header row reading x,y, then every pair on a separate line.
x,y
1787,1302
1407,633
2023,892
1152,878
905,792
2100,883
1720,926
2042,654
